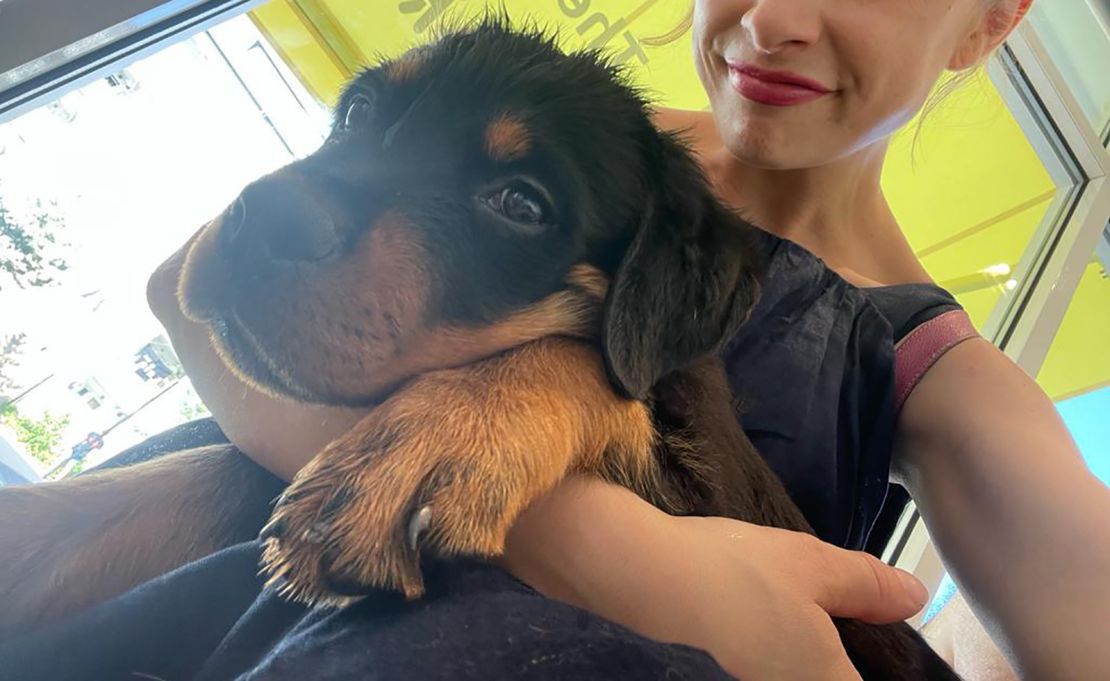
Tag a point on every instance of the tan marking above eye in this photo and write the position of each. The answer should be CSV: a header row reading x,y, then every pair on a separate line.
x,y
507,138
406,67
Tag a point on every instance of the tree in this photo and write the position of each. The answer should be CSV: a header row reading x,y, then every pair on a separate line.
x,y
41,437
190,411
10,347
192,407
30,252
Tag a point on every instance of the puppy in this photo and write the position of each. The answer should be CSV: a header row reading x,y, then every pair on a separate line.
x,y
497,251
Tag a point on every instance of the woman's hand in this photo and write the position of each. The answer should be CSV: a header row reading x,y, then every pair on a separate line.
x,y
278,434
758,599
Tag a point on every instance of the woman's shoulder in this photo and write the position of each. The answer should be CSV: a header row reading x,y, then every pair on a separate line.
x,y
798,284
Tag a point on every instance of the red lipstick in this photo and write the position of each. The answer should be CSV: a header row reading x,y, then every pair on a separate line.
x,y
774,88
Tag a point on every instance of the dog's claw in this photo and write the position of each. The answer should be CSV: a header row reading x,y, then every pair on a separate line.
x,y
316,533
419,522
274,529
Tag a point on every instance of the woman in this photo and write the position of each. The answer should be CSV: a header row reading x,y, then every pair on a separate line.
x,y
805,95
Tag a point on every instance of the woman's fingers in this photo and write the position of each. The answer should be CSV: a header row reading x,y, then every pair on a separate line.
x,y
856,585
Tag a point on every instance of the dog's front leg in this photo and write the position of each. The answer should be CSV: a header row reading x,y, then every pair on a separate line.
x,y
68,545
446,465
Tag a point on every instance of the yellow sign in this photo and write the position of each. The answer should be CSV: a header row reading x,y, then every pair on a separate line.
x,y
327,41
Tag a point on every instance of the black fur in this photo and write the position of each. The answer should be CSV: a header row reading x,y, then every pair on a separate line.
x,y
686,283
626,198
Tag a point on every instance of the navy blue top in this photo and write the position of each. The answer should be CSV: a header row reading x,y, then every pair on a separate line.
x,y
813,374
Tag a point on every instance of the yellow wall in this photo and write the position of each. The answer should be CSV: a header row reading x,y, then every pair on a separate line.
x,y
970,191
356,33
1078,360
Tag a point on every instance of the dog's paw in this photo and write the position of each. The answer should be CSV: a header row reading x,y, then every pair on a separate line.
x,y
446,465
405,481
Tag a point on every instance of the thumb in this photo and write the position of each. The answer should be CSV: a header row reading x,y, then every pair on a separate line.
x,y
856,585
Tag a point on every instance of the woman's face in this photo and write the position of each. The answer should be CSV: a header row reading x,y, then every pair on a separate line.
x,y
801,83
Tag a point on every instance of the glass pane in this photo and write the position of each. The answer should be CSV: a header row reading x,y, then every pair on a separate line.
x,y
101,186
1077,36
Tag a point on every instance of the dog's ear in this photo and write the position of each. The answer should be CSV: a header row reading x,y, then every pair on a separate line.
x,y
686,283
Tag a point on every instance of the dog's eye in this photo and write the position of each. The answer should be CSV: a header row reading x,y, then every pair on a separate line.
x,y
358,112
522,203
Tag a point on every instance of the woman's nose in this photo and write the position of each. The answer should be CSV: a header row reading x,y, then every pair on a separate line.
x,y
777,25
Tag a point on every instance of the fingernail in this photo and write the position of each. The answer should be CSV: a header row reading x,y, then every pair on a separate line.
x,y
916,590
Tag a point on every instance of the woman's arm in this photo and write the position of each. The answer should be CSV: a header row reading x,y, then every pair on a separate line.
x,y
1014,511
758,599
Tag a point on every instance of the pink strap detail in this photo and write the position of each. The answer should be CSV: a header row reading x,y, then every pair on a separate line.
x,y
920,349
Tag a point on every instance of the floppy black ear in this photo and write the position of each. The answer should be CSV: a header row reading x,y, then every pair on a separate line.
x,y
685,285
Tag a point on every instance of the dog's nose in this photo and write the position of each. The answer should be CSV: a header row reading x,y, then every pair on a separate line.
x,y
277,219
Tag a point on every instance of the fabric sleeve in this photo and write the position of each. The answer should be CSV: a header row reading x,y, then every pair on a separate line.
x,y
926,322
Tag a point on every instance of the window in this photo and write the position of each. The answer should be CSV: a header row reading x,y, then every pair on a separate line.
x,y
96,188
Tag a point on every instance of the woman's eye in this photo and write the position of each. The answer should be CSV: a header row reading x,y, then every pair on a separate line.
x,y
521,203
358,112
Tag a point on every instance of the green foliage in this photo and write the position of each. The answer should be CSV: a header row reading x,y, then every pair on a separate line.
x,y
10,347
41,437
190,411
30,252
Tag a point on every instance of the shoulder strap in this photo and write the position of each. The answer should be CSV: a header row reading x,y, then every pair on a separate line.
x,y
920,349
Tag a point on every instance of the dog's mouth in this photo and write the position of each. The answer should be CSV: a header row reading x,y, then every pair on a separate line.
x,y
246,356
250,359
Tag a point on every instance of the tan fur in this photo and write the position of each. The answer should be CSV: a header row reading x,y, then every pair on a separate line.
x,y
204,274
564,313
360,329
478,444
507,138
362,317
68,545
407,67
589,279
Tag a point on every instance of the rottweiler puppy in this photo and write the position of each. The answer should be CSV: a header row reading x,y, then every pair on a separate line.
x,y
498,252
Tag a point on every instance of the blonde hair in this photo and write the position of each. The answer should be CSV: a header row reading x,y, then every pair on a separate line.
x,y
673,35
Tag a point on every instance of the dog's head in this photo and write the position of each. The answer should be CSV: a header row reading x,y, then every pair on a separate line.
x,y
474,194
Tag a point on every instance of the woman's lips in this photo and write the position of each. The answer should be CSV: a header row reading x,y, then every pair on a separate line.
x,y
774,88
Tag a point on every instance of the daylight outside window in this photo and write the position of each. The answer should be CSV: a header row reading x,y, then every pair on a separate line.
x,y
97,188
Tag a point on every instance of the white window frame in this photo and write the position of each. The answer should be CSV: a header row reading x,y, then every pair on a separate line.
x,y
55,46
